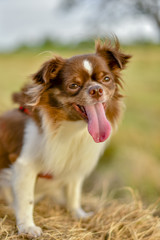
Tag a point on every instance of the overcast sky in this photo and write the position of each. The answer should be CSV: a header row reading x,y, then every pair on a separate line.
x,y
31,21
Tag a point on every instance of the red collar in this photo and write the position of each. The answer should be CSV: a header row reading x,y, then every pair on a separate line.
x,y
25,110
46,176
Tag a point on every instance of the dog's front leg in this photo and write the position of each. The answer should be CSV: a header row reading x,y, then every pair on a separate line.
x,y
74,190
23,183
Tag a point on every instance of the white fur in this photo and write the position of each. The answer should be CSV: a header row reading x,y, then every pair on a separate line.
x,y
68,152
72,148
88,66
36,89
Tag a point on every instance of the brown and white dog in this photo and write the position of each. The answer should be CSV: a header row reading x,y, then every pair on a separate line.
x,y
54,140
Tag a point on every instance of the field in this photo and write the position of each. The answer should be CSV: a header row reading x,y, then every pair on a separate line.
x,y
133,156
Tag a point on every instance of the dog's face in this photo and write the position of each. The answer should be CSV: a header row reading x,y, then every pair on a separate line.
x,y
83,87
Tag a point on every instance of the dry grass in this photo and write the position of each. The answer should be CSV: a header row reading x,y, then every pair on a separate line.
x,y
114,220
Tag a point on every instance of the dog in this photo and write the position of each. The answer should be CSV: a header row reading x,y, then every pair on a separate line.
x,y
53,141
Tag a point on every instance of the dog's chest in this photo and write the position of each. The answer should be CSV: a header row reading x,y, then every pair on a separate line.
x,y
70,149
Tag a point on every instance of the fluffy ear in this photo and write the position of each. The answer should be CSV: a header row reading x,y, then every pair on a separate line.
x,y
114,57
48,71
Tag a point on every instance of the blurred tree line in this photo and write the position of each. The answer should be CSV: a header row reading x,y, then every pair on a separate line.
x,y
114,10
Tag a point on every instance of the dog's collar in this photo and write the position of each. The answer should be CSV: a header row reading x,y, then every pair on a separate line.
x,y
25,110
46,176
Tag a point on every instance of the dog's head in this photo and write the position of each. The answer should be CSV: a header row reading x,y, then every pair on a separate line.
x,y
83,87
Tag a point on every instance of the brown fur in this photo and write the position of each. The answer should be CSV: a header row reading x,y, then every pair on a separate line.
x,y
11,136
50,92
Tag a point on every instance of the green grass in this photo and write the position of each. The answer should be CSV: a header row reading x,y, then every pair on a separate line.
x,y
133,157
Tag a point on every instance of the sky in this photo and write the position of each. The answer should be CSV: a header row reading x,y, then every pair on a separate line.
x,y
32,21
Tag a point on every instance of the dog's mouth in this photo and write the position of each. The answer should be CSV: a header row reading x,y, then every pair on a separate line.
x,y
81,110
98,125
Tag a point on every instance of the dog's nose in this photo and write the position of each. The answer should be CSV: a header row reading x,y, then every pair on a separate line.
x,y
96,91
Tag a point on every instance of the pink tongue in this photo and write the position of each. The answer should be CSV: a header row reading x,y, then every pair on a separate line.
x,y
98,125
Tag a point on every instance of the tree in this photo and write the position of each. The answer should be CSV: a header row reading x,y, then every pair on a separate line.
x,y
114,10
150,8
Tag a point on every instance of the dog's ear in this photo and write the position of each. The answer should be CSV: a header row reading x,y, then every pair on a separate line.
x,y
112,54
48,71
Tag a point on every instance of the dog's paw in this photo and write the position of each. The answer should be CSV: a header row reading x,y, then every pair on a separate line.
x,y
80,213
33,231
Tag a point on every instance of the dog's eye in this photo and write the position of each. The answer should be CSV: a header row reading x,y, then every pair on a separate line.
x,y
74,86
106,79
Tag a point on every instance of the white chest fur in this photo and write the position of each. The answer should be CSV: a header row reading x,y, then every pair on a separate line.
x,y
70,149
63,151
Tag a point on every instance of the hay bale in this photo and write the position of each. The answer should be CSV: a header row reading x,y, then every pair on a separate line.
x,y
114,220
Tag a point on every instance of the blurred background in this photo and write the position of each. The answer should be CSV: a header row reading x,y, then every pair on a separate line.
x,y
32,31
